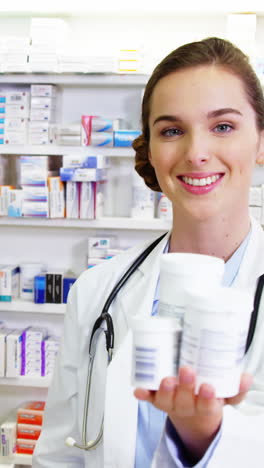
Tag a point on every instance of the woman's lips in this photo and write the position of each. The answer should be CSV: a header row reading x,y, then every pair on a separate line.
x,y
200,189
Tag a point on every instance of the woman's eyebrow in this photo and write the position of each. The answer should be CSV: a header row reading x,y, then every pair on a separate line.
x,y
225,110
210,115
168,118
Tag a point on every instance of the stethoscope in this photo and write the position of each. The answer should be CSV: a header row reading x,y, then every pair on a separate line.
x,y
104,324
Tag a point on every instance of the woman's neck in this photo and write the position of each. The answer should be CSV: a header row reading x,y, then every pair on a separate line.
x,y
219,239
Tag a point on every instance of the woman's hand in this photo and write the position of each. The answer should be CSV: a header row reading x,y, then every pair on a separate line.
x,y
196,418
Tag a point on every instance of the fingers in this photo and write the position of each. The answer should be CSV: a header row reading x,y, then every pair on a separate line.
x,y
245,384
207,403
162,398
185,403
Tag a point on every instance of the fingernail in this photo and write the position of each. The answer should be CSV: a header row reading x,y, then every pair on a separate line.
x,y
169,383
207,392
187,378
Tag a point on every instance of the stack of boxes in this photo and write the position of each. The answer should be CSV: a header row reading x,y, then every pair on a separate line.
x,y
129,60
103,132
31,359
16,51
28,352
66,134
42,113
49,350
46,35
29,425
14,116
83,176
34,176
20,432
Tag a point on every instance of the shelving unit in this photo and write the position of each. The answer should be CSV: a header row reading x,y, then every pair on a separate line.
x,y
17,460
35,382
62,243
64,150
101,223
31,307
79,79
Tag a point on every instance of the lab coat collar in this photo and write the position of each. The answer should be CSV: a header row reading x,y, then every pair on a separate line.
x,y
252,265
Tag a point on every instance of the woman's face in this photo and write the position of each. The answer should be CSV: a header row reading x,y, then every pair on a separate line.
x,y
203,141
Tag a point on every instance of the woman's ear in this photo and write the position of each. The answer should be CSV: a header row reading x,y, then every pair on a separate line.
x,y
260,153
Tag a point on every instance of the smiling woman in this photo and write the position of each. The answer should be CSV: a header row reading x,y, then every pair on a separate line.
x,y
202,132
202,121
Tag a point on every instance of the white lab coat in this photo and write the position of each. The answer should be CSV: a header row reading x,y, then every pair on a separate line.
x,y
242,440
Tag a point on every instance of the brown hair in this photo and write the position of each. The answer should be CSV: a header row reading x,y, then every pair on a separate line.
x,y
210,51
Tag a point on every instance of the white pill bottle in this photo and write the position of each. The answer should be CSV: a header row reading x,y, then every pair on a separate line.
x,y
181,272
155,352
214,337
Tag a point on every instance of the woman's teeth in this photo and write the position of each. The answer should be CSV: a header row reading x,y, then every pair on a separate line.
x,y
203,181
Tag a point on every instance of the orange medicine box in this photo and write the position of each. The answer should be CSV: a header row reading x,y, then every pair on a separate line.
x,y
25,446
27,431
31,413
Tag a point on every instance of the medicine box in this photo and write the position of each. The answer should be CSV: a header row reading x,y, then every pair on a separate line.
x,y
31,413
98,246
87,200
89,162
56,197
28,431
34,170
14,353
43,90
80,174
8,437
15,203
67,284
3,334
125,138
9,282
25,446
4,191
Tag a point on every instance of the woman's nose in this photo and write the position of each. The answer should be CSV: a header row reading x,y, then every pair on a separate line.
x,y
196,151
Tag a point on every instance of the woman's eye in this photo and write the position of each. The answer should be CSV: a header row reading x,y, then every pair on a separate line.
x,y
223,128
171,132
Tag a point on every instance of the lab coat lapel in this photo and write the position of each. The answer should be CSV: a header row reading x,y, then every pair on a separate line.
x,y
136,298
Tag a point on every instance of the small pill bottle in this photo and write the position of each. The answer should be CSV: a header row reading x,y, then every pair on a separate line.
x,y
183,271
155,352
214,337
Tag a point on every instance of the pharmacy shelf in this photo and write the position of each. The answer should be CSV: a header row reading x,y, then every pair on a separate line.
x,y
16,459
31,307
102,223
25,381
63,150
76,79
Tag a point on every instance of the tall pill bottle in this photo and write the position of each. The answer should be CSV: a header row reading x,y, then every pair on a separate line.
x,y
155,352
214,336
180,272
